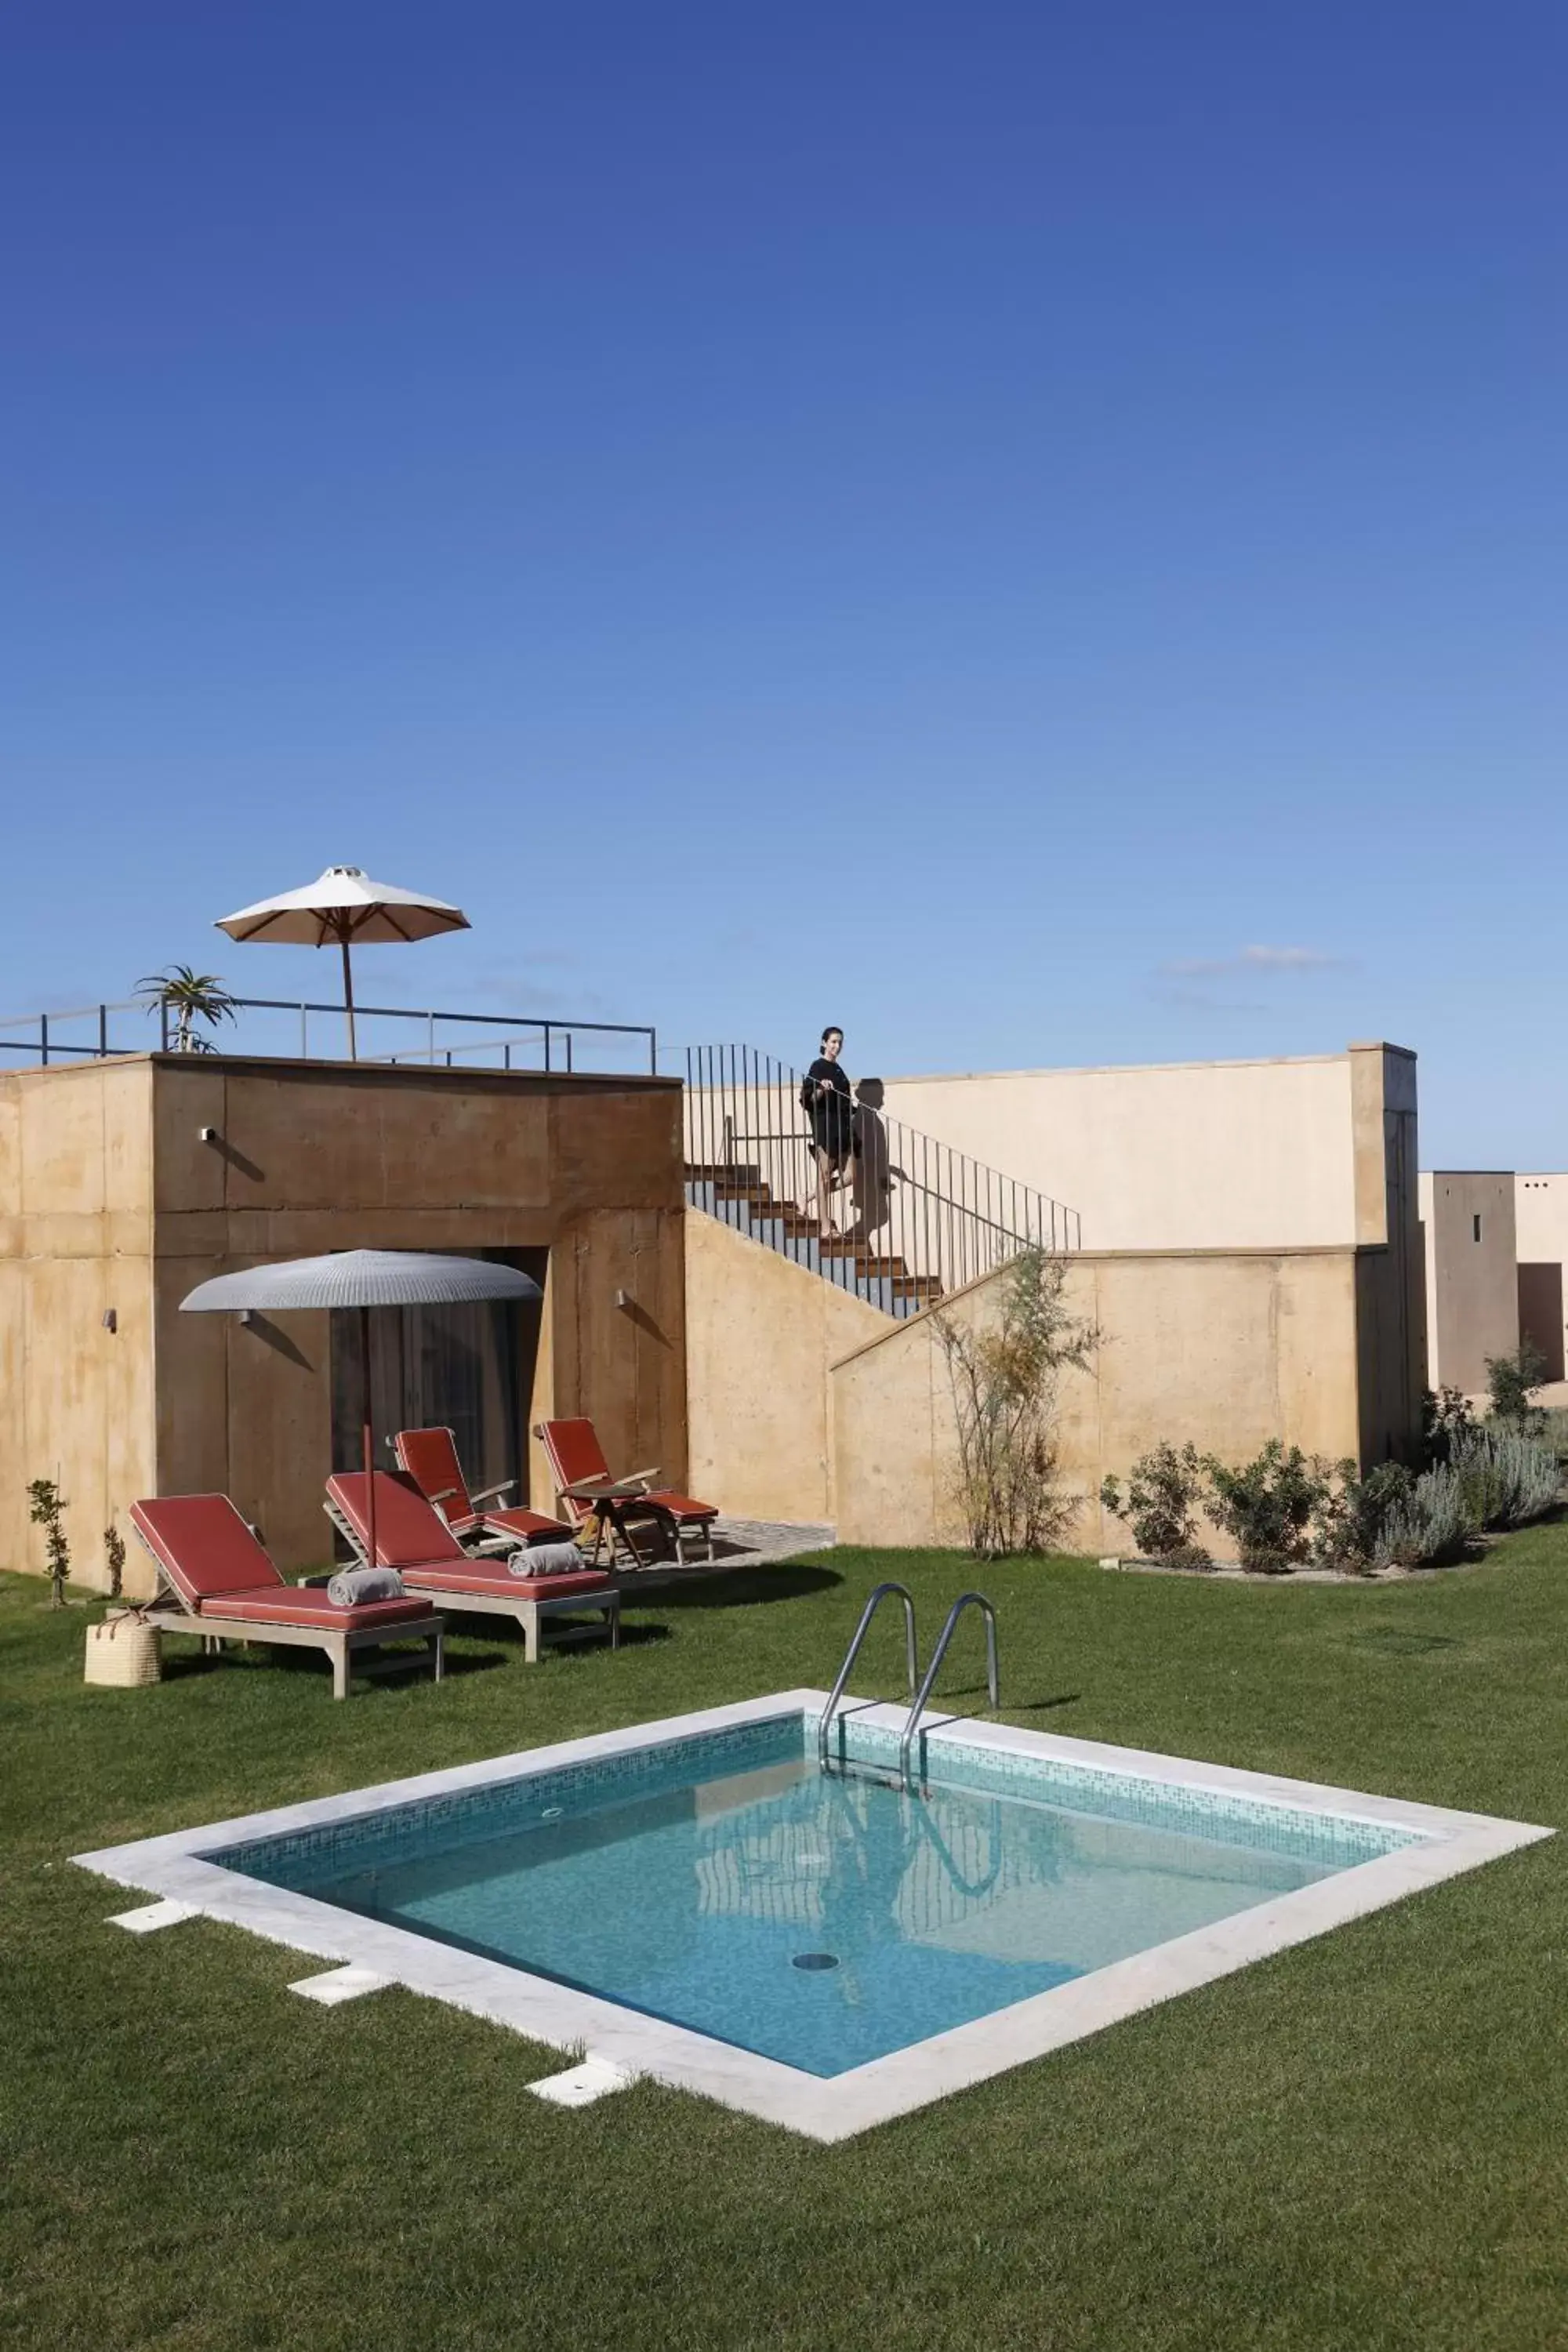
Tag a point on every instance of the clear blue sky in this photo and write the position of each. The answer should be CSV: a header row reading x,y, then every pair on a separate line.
x,y
1036,531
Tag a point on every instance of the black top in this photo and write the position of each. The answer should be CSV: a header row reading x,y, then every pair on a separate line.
x,y
825,1097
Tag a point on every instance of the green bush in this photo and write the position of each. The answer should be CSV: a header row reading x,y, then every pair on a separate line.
x,y
1508,1474
1445,1416
1510,1380
1165,1494
1268,1504
1429,1526
1190,1555
1348,1524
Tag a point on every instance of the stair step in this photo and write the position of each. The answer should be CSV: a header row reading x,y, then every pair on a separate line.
x,y
924,1286
723,1171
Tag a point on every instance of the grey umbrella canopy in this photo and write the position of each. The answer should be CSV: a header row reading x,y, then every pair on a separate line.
x,y
361,1278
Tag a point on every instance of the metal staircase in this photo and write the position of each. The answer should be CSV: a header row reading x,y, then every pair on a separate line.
x,y
914,1219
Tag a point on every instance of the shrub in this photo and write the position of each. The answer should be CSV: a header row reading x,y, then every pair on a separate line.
x,y
1429,1526
1511,1379
46,1509
1268,1504
1445,1417
1508,1474
1165,1492
1348,1525
114,1552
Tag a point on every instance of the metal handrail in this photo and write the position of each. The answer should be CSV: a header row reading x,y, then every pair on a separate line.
x,y
911,1656
790,1137
921,1209
48,1046
963,1601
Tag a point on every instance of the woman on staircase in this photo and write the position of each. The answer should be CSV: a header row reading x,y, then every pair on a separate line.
x,y
824,1097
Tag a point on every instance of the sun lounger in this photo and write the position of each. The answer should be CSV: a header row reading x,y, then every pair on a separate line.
x,y
412,1537
625,1508
429,1456
216,1580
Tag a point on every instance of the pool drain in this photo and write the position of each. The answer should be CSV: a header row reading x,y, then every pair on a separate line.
x,y
815,1960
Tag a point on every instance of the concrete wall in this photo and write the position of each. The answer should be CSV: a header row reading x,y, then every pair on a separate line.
x,y
761,1335
76,1244
110,1197
1226,1349
1540,1239
1469,1256
1197,1155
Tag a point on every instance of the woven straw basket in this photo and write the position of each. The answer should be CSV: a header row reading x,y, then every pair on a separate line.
x,y
122,1652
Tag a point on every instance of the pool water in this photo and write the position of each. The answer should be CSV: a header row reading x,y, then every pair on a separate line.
x,y
823,1919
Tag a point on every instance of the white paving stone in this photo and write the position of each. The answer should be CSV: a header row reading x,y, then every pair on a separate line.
x,y
335,1985
149,1916
579,2086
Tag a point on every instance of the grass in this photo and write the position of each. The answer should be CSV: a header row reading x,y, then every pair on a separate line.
x,y
1359,2143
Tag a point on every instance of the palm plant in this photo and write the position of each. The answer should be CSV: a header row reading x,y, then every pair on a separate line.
x,y
189,996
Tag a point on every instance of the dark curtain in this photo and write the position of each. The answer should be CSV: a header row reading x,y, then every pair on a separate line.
x,y
468,1368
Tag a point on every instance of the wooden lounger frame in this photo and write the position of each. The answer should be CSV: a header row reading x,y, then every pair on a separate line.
x,y
169,1613
526,1611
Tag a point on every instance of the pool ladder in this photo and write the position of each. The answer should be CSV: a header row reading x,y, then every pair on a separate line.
x,y
917,1697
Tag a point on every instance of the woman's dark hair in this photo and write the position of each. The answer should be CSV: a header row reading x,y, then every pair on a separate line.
x,y
832,1030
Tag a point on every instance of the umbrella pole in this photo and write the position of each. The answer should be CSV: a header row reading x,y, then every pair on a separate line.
x,y
348,992
368,1437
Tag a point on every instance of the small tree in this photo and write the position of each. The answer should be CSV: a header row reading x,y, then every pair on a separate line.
x,y
47,1510
1509,1381
190,997
1005,1403
114,1553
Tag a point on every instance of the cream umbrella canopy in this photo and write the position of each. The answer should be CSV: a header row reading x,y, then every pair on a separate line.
x,y
344,907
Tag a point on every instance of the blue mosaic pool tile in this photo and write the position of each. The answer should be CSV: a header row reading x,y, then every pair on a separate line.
x,y
1214,1813
383,1838
469,1816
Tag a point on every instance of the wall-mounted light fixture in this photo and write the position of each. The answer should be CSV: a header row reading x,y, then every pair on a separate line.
x,y
206,1135
623,1298
248,1315
110,1320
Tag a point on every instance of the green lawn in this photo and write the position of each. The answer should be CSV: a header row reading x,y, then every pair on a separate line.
x,y
1360,2142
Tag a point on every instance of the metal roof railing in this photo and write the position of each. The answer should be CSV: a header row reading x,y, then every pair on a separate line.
x,y
274,1027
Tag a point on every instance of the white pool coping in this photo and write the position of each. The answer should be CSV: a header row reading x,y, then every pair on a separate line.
x,y
836,2106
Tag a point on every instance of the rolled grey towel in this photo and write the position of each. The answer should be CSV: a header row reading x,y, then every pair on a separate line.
x,y
353,1585
546,1559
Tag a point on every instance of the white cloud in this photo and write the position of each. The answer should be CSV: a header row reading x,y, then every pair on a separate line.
x,y
1252,960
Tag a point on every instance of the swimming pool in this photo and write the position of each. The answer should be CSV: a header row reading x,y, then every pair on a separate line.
x,y
698,1900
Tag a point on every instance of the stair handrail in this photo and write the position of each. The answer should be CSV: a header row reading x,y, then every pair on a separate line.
x,y
948,1218
965,1601
911,1656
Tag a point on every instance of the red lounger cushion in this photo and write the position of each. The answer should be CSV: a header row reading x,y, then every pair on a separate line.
x,y
679,1507
205,1547
429,1456
515,1521
306,1605
511,1588
409,1531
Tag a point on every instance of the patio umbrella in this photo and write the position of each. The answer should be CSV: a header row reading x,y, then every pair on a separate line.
x,y
345,906
361,1278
